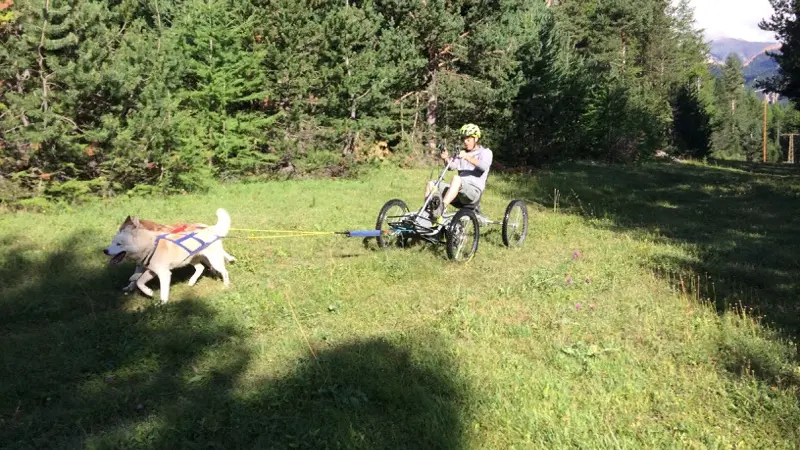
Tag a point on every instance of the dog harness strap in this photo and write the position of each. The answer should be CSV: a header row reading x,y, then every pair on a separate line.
x,y
180,228
146,260
200,244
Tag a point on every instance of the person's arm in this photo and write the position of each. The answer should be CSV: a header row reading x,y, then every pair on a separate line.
x,y
446,158
482,164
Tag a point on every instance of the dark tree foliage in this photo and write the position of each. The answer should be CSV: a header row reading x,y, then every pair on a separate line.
x,y
109,97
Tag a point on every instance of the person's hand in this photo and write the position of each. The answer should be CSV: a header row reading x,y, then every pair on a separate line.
x,y
444,155
463,154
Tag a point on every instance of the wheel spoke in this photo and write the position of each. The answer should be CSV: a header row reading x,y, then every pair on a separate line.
x,y
462,236
388,221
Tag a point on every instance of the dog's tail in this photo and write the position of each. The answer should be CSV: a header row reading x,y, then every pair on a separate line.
x,y
223,224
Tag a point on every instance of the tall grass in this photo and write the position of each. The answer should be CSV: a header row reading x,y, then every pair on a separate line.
x,y
580,339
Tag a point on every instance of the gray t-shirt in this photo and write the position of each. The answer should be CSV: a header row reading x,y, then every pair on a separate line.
x,y
474,175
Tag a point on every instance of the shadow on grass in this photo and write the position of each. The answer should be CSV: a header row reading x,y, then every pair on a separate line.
x,y
776,169
488,235
82,370
742,228
367,394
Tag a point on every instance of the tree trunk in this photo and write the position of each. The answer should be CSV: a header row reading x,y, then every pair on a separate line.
x,y
350,144
432,111
42,69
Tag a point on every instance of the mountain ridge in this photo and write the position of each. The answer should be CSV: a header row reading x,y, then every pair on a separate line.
x,y
771,48
757,64
721,48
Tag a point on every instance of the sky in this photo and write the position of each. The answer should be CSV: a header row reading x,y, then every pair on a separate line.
x,y
733,18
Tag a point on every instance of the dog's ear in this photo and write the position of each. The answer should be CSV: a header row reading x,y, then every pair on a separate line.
x,y
136,223
127,223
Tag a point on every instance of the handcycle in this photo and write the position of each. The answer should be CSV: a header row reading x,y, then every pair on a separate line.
x,y
459,231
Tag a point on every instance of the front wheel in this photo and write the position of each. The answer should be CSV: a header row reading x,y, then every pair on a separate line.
x,y
515,223
392,211
462,236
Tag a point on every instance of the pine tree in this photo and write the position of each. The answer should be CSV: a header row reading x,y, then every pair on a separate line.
x,y
75,91
641,53
7,27
37,65
482,84
750,125
222,83
690,83
692,125
729,90
360,75
438,31
732,82
169,94
550,104
293,38
776,117
786,26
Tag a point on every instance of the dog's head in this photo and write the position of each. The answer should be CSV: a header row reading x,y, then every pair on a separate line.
x,y
124,241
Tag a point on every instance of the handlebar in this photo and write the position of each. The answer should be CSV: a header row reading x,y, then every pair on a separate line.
x,y
454,155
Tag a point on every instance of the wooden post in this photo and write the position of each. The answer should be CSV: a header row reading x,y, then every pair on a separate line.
x,y
790,156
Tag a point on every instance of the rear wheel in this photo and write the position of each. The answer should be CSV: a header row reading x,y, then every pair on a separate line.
x,y
515,223
462,236
392,211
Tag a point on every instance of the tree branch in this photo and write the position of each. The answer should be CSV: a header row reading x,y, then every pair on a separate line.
x,y
407,94
41,59
67,119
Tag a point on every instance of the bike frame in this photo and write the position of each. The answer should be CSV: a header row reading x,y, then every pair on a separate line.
x,y
438,181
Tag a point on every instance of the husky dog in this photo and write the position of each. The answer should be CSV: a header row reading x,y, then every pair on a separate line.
x,y
158,253
155,226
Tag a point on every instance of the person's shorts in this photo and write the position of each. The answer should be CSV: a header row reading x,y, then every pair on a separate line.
x,y
468,194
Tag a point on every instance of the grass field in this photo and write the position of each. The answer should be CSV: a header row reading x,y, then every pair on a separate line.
x,y
650,307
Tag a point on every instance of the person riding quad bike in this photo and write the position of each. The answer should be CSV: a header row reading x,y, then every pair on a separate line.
x,y
466,188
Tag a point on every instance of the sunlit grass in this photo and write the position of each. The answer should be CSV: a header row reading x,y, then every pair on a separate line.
x,y
583,338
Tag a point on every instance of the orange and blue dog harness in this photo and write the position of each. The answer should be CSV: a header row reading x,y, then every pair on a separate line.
x,y
193,243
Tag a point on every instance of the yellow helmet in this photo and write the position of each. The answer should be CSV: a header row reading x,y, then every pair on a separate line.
x,y
470,129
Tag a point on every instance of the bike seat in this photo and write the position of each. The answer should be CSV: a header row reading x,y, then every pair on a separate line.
x,y
475,207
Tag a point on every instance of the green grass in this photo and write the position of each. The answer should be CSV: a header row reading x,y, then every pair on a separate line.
x,y
326,342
